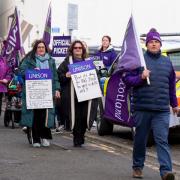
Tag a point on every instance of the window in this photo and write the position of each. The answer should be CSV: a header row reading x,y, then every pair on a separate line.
x,y
175,58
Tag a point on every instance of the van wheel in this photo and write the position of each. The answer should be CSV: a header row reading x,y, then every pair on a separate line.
x,y
7,117
103,126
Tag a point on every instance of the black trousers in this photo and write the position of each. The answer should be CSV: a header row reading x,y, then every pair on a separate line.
x,y
39,131
59,113
1,95
80,122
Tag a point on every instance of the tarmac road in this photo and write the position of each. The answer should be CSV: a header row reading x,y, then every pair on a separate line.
x,y
94,161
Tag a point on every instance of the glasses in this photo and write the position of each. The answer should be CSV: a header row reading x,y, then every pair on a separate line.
x,y
77,47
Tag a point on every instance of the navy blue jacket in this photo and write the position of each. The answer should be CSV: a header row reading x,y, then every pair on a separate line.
x,y
162,89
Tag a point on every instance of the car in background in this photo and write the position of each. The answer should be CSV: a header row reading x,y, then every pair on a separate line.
x,y
105,126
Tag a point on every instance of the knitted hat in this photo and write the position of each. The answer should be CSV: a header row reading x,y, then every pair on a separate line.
x,y
153,35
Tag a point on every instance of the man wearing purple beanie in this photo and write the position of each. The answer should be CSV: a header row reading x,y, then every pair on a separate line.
x,y
151,104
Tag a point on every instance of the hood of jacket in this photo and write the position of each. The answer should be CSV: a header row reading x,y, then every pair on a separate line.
x,y
110,48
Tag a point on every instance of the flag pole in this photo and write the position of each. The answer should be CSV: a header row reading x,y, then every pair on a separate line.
x,y
47,28
140,49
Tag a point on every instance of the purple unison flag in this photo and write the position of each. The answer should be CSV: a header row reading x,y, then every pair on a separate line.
x,y
117,103
47,30
13,42
131,56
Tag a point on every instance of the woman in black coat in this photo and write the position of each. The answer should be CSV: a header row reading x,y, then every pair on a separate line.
x,y
75,114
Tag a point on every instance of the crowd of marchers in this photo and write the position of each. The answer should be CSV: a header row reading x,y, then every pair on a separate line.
x,y
151,102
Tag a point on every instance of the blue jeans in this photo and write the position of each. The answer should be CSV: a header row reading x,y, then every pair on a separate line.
x,y
159,123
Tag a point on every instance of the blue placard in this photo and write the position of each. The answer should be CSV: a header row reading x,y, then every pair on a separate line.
x,y
81,67
38,74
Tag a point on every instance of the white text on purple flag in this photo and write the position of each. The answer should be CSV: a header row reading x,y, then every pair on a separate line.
x,y
120,98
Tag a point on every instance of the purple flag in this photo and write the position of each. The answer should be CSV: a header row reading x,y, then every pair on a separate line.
x,y
131,56
117,104
22,52
13,42
47,30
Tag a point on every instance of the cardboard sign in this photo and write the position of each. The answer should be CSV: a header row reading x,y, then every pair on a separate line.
x,y
39,89
85,80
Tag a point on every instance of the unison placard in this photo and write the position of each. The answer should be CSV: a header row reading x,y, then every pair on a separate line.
x,y
39,89
85,80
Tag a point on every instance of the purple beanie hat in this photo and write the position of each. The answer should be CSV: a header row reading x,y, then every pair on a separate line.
x,y
153,35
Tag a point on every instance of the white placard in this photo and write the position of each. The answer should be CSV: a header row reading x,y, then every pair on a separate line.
x,y
85,81
38,91
99,64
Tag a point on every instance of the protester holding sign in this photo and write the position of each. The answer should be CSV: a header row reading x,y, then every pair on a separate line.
x,y
74,112
41,120
106,52
151,104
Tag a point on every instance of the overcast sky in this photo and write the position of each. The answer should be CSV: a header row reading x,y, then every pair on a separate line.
x,y
99,17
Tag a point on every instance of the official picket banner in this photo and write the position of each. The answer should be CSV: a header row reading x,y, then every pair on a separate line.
x,y
60,48
39,89
85,80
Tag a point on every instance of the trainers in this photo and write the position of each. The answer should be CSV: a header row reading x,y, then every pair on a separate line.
x,y
60,128
24,129
168,176
94,124
36,145
137,173
45,143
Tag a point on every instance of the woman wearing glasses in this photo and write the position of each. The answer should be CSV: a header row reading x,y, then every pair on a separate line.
x,y
76,53
41,120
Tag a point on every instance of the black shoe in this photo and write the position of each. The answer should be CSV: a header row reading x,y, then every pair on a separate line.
x,y
77,141
77,145
82,140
